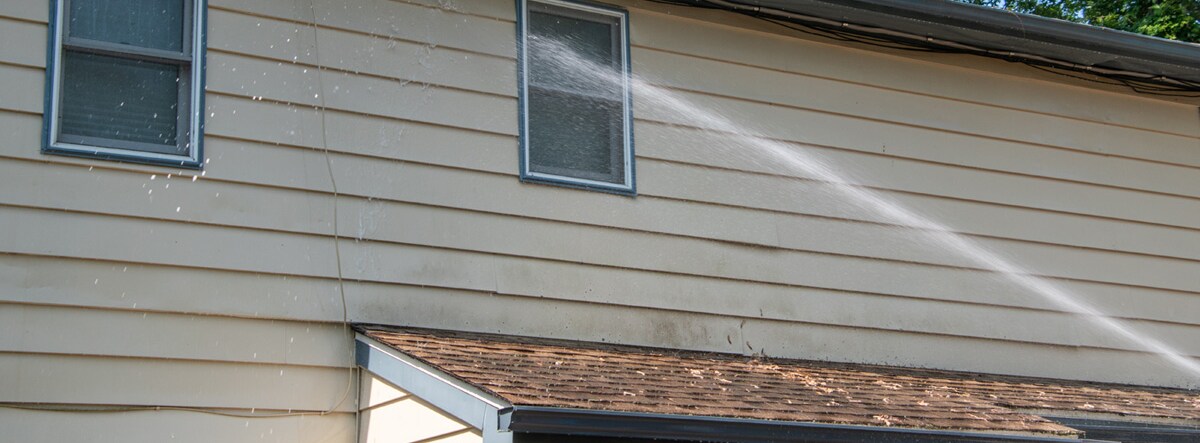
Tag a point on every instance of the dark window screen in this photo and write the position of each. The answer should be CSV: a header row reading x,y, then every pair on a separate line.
x,y
575,94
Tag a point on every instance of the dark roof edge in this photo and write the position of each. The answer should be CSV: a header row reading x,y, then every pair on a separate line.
x,y
1000,30
1034,27
569,421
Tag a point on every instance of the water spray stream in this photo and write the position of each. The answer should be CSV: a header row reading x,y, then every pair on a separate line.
x,y
586,72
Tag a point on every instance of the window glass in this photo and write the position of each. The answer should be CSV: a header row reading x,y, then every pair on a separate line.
x,y
565,52
125,80
575,96
155,24
575,136
120,99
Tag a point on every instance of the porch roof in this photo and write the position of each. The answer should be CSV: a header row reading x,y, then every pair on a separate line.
x,y
542,373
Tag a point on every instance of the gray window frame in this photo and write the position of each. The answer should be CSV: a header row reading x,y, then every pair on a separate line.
x,y
580,9
190,98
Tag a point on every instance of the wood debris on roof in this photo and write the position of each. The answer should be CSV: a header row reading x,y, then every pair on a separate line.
x,y
550,373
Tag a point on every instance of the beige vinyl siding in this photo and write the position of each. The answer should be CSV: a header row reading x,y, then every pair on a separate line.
x,y
178,375
1020,143
34,11
620,323
23,55
1168,210
241,378
61,379
174,426
153,346
1104,271
675,29
156,288
412,107
21,98
480,272
169,335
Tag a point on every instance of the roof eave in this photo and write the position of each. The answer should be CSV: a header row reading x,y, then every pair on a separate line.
x,y
1003,31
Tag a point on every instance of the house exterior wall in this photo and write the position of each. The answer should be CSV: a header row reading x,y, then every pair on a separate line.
x,y
221,291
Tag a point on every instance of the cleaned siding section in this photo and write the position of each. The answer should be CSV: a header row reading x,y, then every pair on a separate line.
x,y
408,110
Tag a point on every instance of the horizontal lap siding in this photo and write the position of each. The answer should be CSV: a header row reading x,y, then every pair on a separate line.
x,y
932,148
172,425
33,55
790,124
73,379
949,76
155,287
55,233
25,93
412,108
79,330
480,311
521,276
1001,139
35,11
167,335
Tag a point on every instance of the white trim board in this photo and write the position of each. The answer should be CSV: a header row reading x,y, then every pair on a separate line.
x,y
465,402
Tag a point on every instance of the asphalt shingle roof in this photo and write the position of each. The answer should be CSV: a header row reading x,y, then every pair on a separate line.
x,y
541,372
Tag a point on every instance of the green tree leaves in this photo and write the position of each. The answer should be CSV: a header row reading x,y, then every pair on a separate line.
x,y
1171,19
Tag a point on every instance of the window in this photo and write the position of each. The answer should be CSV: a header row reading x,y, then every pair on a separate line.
x,y
125,79
576,125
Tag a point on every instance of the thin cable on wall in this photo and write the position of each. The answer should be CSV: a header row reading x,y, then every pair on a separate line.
x,y
337,249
